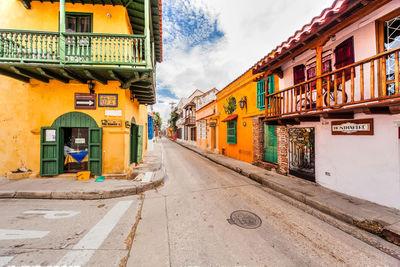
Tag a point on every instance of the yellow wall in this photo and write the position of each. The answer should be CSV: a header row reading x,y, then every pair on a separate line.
x,y
44,16
242,86
26,107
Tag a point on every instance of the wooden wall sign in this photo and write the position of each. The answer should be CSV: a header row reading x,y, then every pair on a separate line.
x,y
108,100
127,124
353,127
111,123
85,101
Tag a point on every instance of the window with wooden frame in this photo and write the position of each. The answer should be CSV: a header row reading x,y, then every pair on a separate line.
x,y
299,76
231,132
344,56
388,37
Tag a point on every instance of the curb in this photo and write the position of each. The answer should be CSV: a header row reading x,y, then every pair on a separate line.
x,y
157,180
385,232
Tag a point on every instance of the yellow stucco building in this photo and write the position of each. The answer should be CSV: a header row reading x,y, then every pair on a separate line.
x,y
76,77
241,109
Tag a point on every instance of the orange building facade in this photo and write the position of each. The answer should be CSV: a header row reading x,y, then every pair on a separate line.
x,y
242,140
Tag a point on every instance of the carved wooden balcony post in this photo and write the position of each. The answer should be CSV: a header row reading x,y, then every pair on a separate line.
x,y
319,80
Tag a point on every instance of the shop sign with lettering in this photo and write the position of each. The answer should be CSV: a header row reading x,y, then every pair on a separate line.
x,y
353,127
111,123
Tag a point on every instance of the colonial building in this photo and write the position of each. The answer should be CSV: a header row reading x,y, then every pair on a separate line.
x,y
335,118
241,110
206,110
187,118
77,77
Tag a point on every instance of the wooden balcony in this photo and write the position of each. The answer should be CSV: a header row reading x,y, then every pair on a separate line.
x,y
370,86
26,55
78,48
190,121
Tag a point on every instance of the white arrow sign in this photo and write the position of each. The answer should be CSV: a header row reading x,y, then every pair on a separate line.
x,y
89,102
10,234
54,214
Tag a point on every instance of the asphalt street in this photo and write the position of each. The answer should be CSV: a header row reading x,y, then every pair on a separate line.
x,y
66,232
186,222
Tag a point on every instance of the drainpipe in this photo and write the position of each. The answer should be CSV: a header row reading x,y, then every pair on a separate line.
x,y
62,30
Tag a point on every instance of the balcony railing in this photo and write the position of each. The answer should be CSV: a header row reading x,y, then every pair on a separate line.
x,y
191,120
374,79
78,48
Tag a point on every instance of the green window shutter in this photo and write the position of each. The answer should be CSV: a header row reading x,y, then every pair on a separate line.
x,y
270,144
140,144
261,94
271,84
95,150
50,151
231,132
134,139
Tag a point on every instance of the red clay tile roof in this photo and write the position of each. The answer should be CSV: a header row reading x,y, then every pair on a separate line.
x,y
326,16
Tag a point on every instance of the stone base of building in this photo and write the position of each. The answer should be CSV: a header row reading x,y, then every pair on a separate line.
x,y
282,166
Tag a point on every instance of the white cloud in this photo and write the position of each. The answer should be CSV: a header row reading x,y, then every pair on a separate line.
x,y
250,30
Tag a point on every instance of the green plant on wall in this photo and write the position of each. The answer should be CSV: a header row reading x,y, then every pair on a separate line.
x,y
230,105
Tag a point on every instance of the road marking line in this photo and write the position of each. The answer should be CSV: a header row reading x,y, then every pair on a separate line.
x,y
54,214
5,260
96,236
147,177
10,234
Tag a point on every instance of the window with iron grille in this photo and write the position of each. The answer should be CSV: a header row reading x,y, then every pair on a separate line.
x,y
231,132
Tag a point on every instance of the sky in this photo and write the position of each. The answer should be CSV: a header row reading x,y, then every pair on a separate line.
x,y
209,43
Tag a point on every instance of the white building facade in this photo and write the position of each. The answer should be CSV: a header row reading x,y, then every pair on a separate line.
x,y
336,108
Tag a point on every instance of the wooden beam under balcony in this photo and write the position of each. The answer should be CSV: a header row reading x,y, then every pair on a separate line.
x,y
54,75
332,116
94,76
26,3
30,74
291,121
377,110
74,76
308,118
14,75
116,76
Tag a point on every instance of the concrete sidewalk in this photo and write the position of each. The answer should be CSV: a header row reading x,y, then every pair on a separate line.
x,y
145,176
374,218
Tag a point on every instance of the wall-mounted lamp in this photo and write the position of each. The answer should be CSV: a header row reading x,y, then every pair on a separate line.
x,y
91,87
108,15
243,102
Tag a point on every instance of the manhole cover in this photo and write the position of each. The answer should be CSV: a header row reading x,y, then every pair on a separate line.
x,y
245,219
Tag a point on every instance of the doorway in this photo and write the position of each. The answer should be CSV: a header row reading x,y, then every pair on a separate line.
x,y
301,153
75,148
80,133
136,142
270,143
213,138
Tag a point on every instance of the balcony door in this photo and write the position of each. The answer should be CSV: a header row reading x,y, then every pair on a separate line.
x,y
389,38
78,47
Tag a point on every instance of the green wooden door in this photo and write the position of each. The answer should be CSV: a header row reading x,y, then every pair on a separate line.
x,y
140,143
50,151
133,145
270,144
95,150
